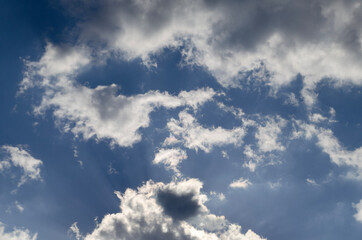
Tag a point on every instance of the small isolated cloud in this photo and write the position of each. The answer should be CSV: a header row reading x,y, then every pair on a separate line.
x,y
358,207
240,183
19,207
171,158
254,158
194,136
16,234
165,211
19,157
311,182
220,196
267,135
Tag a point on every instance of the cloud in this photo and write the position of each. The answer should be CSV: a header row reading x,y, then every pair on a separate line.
x,y
57,61
311,182
171,158
178,206
268,143
101,113
266,41
220,196
165,211
19,207
16,234
358,207
19,157
267,135
316,118
194,136
240,183
254,158
329,144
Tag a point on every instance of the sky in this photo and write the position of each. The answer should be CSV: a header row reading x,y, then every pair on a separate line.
x,y
186,119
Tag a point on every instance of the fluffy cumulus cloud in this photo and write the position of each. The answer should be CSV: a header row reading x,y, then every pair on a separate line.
x,y
271,41
194,136
16,234
165,211
19,157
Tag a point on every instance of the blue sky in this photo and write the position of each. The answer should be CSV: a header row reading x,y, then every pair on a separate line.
x,y
190,119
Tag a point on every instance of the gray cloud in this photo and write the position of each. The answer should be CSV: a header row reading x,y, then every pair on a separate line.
x,y
179,207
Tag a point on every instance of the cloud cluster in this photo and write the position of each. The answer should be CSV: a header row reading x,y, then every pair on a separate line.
x,y
19,157
165,211
16,234
267,41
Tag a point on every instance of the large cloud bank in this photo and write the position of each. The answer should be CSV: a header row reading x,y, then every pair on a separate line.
x,y
267,41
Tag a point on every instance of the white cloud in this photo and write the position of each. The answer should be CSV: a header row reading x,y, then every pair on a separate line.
x,y
358,207
316,39
240,183
225,154
195,136
220,196
171,158
157,210
254,159
101,113
57,61
74,231
291,99
19,207
329,144
316,118
268,133
19,157
311,182
16,234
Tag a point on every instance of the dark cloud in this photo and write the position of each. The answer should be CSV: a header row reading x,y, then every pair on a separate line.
x,y
178,206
